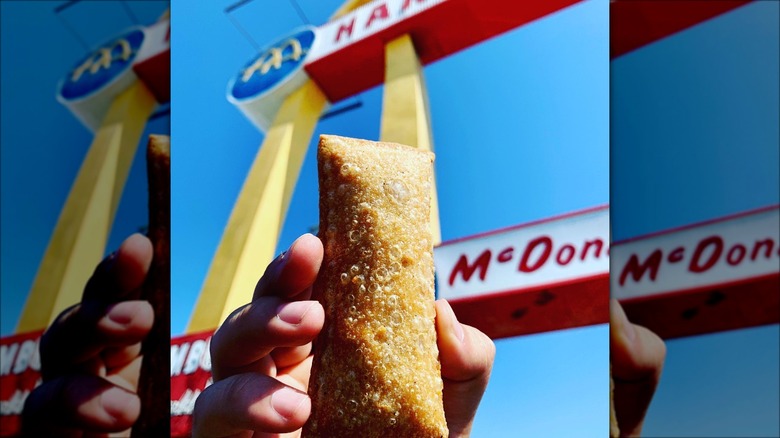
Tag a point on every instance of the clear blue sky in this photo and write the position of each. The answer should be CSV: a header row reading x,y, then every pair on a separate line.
x,y
519,123
43,145
695,136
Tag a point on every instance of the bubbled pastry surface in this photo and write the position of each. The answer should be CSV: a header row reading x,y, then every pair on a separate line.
x,y
376,370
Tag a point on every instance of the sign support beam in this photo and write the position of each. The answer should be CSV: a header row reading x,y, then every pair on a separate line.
x,y
252,233
405,114
81,233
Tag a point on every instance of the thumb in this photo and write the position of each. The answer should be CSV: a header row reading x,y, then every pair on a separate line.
x,y
637,357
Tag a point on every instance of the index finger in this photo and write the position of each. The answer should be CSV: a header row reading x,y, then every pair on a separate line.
x,y
121,272
292,272
636,353
252,331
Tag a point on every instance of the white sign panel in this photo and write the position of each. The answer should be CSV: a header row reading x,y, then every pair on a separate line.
x,y
366,20
558,250
722,252
158,40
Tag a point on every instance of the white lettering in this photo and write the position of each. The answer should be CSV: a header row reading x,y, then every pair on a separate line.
x,y
15,404
25,356
185,404
7,354
178,354
188,357
205,358
193,358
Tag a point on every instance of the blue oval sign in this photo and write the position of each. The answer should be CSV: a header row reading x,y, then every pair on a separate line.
x,y
271,66
100,67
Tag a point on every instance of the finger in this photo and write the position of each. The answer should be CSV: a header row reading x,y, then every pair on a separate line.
x,y
297,375
122,272
294,271
126,376
83,331
289,356
118,357
253,331
637,357
249,401
636,352
466,362
80,402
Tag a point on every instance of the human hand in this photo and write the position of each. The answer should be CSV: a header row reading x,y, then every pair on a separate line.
x,y
466,356
261,357
637,357
90,355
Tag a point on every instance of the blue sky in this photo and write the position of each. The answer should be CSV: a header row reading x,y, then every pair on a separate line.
x,y
695,136
516,121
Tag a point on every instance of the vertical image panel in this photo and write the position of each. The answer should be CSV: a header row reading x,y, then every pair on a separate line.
x,y
84,101
695,213
513,101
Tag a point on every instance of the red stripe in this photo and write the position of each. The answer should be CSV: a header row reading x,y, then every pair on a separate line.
x,y
740,304
637,23
558,306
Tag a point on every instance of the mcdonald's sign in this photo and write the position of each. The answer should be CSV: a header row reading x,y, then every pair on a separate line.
x,y
259,88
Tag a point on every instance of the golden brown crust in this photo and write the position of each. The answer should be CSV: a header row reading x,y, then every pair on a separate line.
x,y
376,371
154,381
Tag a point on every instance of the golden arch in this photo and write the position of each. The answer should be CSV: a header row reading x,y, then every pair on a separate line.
x,y
274,58
102,59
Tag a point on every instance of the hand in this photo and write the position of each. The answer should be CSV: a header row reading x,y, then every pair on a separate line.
x,y
466,361
637,357
261,357
90,355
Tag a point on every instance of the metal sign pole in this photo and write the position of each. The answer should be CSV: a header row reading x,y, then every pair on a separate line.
x,y
79,239
250,238
405,114
252,233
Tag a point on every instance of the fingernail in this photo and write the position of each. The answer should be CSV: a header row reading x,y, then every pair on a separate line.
x,y
118,402
111,259
281,261
618,318
121,313
109,271
283,258
106,265
293,313
286,401
457,328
